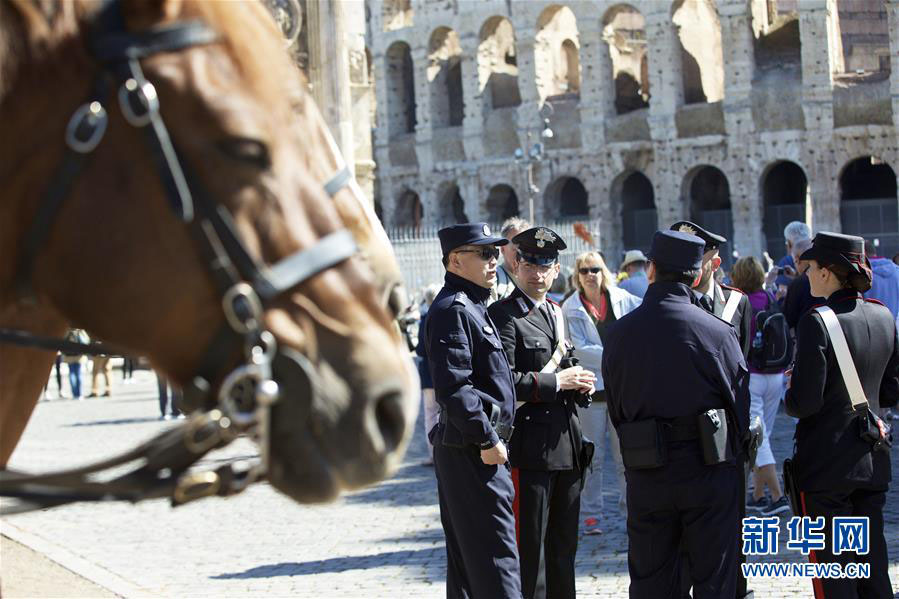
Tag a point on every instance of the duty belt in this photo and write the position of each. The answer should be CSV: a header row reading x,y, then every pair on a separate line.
x,y
683,428
503,431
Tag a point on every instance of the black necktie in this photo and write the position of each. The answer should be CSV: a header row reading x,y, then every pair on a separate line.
x,y
706,302
550,319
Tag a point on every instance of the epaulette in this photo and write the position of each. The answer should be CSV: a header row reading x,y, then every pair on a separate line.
x,y
875,301
461,298
554,302
733,289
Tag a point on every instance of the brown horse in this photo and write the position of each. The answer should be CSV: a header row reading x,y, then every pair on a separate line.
x,y
261,153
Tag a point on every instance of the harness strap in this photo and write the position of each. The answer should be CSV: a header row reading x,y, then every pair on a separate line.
x,y
338,181
561,347
844,357
730,308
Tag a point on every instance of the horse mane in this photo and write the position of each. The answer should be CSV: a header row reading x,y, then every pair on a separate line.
x,y
31,29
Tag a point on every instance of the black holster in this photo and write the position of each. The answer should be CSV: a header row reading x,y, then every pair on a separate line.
x,y
874,430
713,435
586,459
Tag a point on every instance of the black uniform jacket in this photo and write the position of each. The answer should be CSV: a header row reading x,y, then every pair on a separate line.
x,y
467,362
547,430
742,318
670,358
829,453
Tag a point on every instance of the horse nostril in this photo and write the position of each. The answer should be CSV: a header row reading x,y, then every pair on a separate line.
x,y
389,418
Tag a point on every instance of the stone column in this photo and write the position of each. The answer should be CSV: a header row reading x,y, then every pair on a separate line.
x,y
737,42
424,127
665,84
528,111
473,120
329,72
382,116
595,83
893,16
817,71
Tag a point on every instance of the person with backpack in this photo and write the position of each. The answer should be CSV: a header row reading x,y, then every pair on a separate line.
x,y
765,379
74,360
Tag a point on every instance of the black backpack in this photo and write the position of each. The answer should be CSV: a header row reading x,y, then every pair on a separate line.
x,y
772,345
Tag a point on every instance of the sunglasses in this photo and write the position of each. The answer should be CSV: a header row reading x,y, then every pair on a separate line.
x,y
485,253
592,269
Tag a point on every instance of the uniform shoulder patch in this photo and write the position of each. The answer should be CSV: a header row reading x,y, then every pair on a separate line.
x,y
554,302
460,298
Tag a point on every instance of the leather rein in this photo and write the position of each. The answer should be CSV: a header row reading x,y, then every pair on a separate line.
x,y
243,403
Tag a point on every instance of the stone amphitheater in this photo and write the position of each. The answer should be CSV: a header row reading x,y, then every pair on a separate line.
x,y
739,114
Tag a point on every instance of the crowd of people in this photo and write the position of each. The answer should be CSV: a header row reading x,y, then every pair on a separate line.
x,y
530,375
100,367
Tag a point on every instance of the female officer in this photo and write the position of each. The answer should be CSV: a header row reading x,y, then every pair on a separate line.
x,y
836,470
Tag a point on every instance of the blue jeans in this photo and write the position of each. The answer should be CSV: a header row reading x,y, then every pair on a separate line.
x,y
75,378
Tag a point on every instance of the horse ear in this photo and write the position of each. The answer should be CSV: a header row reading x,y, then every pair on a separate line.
x,y
141,14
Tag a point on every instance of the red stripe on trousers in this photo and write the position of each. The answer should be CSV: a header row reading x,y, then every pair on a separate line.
x,y
816,582
515,504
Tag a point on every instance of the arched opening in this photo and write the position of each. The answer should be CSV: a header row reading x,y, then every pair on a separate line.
x,y
445,78
396,14
702,58
868,204
502,203
571,76
709,195
400,90
639,219
784,198
498,64
452,207
566,197
556,53
624,30
865,37
409,211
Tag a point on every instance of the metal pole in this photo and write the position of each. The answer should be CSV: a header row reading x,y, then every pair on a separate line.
x,y
530,192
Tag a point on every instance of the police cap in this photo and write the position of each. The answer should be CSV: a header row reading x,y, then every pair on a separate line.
x,y
845,251
456,236
712,240
539,245
677,250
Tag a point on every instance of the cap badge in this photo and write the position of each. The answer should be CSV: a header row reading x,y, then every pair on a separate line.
x,y
542,236
486,231
488,329
687,229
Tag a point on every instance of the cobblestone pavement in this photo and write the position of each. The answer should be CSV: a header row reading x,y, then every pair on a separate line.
x,y
379,542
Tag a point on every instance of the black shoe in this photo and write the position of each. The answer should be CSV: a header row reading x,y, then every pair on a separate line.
x,y
757,505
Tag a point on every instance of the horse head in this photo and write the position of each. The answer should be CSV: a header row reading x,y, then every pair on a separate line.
x,y
156,271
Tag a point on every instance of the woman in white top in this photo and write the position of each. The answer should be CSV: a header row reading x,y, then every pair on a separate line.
x,y
596,304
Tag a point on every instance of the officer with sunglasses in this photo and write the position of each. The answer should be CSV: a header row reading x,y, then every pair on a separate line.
x,y
545,453
473,386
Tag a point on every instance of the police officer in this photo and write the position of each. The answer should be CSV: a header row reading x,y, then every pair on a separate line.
x,y
473,386
713,296
545,449
731,305
838,471
505,273
677,389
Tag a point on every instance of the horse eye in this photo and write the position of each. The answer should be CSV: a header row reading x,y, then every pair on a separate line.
x,y
246,149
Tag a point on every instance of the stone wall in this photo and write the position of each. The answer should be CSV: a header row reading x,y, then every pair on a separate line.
x,y
775,94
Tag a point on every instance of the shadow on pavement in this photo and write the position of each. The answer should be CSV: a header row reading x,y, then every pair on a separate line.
x,y
116,421
333,565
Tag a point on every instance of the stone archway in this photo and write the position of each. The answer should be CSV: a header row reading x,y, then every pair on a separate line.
x,y
502,203
784,199
868,203
566,197
708,192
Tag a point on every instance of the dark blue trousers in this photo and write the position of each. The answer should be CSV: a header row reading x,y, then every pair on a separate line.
x,y
690,502
476,512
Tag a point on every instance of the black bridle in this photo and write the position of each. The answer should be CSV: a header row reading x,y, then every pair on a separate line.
x,y
245,397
